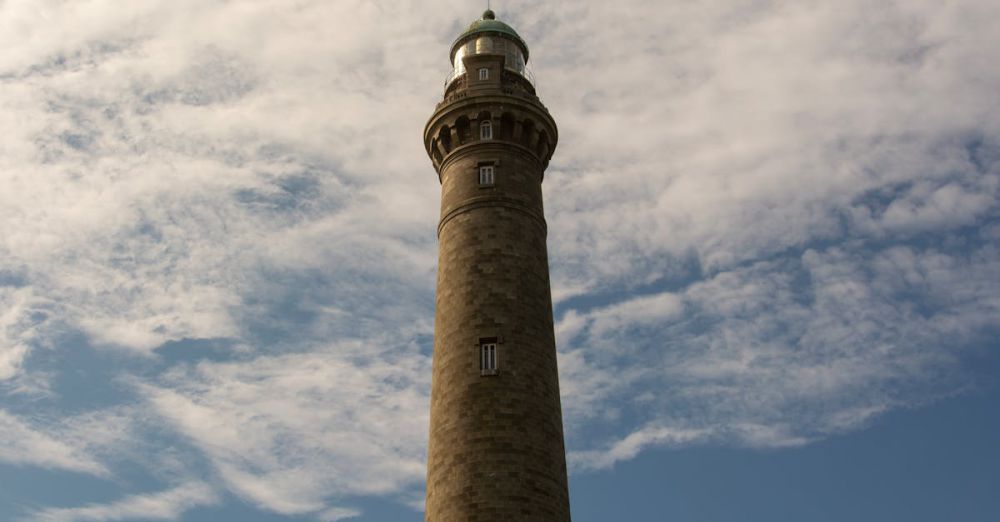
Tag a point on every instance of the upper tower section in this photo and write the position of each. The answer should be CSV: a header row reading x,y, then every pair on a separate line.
x,y
489,36
489,99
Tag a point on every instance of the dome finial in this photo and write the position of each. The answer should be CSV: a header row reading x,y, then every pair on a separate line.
x,y
489,15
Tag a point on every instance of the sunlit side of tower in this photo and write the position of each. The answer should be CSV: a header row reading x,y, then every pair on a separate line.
x,y
496,448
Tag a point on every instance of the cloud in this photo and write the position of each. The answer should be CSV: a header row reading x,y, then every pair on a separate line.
x,y
335,514
17,327
782,353
764,127
291,432
164,505
171,176
630,446
162,169
33,445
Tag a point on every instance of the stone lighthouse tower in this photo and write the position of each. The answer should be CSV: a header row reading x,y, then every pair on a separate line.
x,y
496,441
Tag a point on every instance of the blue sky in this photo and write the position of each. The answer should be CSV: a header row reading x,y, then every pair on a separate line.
x,y
774,238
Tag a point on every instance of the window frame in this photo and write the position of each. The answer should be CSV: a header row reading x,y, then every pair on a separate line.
x,y
489,359
484,73
486,130
487,175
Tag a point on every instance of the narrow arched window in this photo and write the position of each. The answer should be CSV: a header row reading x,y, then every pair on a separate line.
x,y
486,130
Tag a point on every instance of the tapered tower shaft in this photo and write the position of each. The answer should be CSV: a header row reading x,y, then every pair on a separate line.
x,y
496,449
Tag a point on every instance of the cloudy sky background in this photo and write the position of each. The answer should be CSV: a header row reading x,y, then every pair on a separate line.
x,y
772,225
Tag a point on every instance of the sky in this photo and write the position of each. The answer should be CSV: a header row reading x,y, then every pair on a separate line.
x,y
774,241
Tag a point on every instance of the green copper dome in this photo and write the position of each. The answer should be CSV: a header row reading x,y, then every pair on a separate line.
x,y
488,24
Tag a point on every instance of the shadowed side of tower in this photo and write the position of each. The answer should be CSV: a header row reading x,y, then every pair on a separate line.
x,y
496,448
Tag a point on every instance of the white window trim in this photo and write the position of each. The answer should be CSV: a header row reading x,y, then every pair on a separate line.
x,y
486,130
487,175
484,73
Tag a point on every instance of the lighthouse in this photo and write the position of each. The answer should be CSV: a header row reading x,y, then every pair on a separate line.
x,y
496,450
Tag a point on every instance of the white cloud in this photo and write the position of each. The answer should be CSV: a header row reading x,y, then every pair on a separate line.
x,y
172,174
782,353
25,443
630,446
293,432
335,514
164,505
15,330
157,159
762,126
